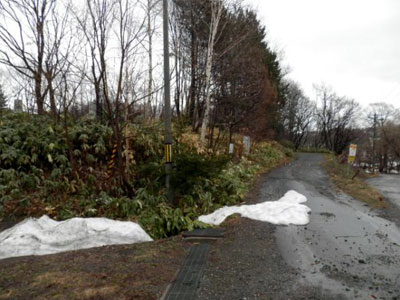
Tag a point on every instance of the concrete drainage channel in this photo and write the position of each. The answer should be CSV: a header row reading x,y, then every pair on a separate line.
x,y
188,278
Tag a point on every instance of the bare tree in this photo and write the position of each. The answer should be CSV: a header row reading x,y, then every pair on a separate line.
x,y
335,119
95,24
130,36
380,113
297,115
217,7
152,9
69,85
378,116
32,45
59,48
102,22
177,33
391,137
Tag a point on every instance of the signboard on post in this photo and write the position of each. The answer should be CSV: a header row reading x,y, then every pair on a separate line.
x,y
352,153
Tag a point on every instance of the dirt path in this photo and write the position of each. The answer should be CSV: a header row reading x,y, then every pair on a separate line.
x,y
346,252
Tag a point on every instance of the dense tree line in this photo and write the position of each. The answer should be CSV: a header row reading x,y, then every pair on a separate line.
x,y
238,89
68,57
297,115
219,50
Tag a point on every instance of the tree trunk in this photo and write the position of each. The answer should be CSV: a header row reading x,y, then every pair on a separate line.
x,y
38,94
193,57
128,154
177,85
216,12
206,117
97,91
52,98
148,110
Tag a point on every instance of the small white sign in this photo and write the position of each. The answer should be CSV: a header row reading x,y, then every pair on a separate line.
x,y
247,144
231,147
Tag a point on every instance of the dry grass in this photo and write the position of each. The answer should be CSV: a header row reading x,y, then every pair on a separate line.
x,y
342,175
139,271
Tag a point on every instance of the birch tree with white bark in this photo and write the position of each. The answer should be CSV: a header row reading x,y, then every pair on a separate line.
x,y
217,7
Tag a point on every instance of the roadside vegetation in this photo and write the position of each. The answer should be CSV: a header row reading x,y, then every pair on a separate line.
x,y
46,169
77,106
352,182
55,160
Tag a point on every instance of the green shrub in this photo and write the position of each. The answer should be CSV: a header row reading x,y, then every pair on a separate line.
x,y
164,220
45,169
192,170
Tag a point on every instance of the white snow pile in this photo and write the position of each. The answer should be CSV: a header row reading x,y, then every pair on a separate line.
x,y
287,210
45,236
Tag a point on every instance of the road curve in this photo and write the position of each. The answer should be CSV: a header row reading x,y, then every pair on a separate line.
x,y
347,248
346,251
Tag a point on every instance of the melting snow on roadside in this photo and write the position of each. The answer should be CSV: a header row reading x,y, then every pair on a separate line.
x,y
46,236
285,211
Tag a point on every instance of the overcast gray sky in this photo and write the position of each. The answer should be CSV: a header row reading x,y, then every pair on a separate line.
x,y
351,45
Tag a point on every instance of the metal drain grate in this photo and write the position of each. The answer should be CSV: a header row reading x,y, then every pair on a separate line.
x,y
208,233
188,279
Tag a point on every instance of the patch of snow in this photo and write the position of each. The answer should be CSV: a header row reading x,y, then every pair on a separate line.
x,y
45,236
287,210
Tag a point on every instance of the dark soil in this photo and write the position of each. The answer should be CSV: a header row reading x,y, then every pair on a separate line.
x,y
5,224
140,271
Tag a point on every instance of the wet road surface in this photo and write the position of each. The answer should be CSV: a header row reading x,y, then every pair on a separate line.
x,y
346,251
389,186
346,248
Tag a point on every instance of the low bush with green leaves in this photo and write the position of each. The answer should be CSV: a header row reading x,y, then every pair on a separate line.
x,y
60,169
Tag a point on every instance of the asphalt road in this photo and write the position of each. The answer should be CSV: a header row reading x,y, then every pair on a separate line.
x,y
346,251
389,185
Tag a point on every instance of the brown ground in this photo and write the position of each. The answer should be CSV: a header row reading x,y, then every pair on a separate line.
x,y
140,271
